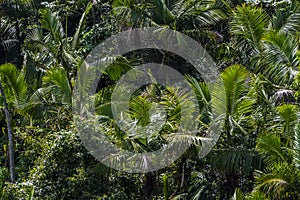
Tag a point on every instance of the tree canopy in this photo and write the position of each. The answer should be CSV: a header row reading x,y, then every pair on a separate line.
x,y
255,45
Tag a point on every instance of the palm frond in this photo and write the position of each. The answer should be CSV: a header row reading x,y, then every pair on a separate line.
x,y
288,115
161,12
287,18
14,84
269,146
41,103
296,147
249,23
202,92
256,195
51,22
103,102
216,12
278,180
120,65
36,39
238,195
186,138
130,14
191,14
77,35
234,79
7,34
42,52
278,59
233,160
57,77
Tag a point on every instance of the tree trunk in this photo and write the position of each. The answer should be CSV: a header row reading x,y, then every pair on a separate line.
x,y
10,138
18,52
150,187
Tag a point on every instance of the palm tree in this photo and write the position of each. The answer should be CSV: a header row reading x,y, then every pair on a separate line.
x,y
10,138
14,13
54,49
9,133
51,67
269,43
195,18
13,89
234,153
280,150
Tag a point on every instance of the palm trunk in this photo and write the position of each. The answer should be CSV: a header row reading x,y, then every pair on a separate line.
x,y
18,36
10,138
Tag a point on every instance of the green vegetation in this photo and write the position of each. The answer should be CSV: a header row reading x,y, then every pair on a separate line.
x,y
256,47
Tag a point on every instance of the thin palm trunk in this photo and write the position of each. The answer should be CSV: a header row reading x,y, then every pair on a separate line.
x,y
19,55
10,138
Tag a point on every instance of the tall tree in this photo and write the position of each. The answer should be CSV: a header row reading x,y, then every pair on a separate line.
x,y
10,137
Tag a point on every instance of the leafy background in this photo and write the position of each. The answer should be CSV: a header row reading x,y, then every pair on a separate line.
x,y
255,45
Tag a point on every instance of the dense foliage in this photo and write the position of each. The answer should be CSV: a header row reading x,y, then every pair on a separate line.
x,y
255,45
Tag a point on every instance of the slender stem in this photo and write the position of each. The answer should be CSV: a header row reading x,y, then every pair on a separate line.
x,y
10,138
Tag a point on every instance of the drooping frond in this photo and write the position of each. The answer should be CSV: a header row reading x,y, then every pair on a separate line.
x,y
202,92
132,14
278,180
278,60
57,79
269,146
194,15
7,34
80,27
216,12
14,84
51,22
287,18
233,160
